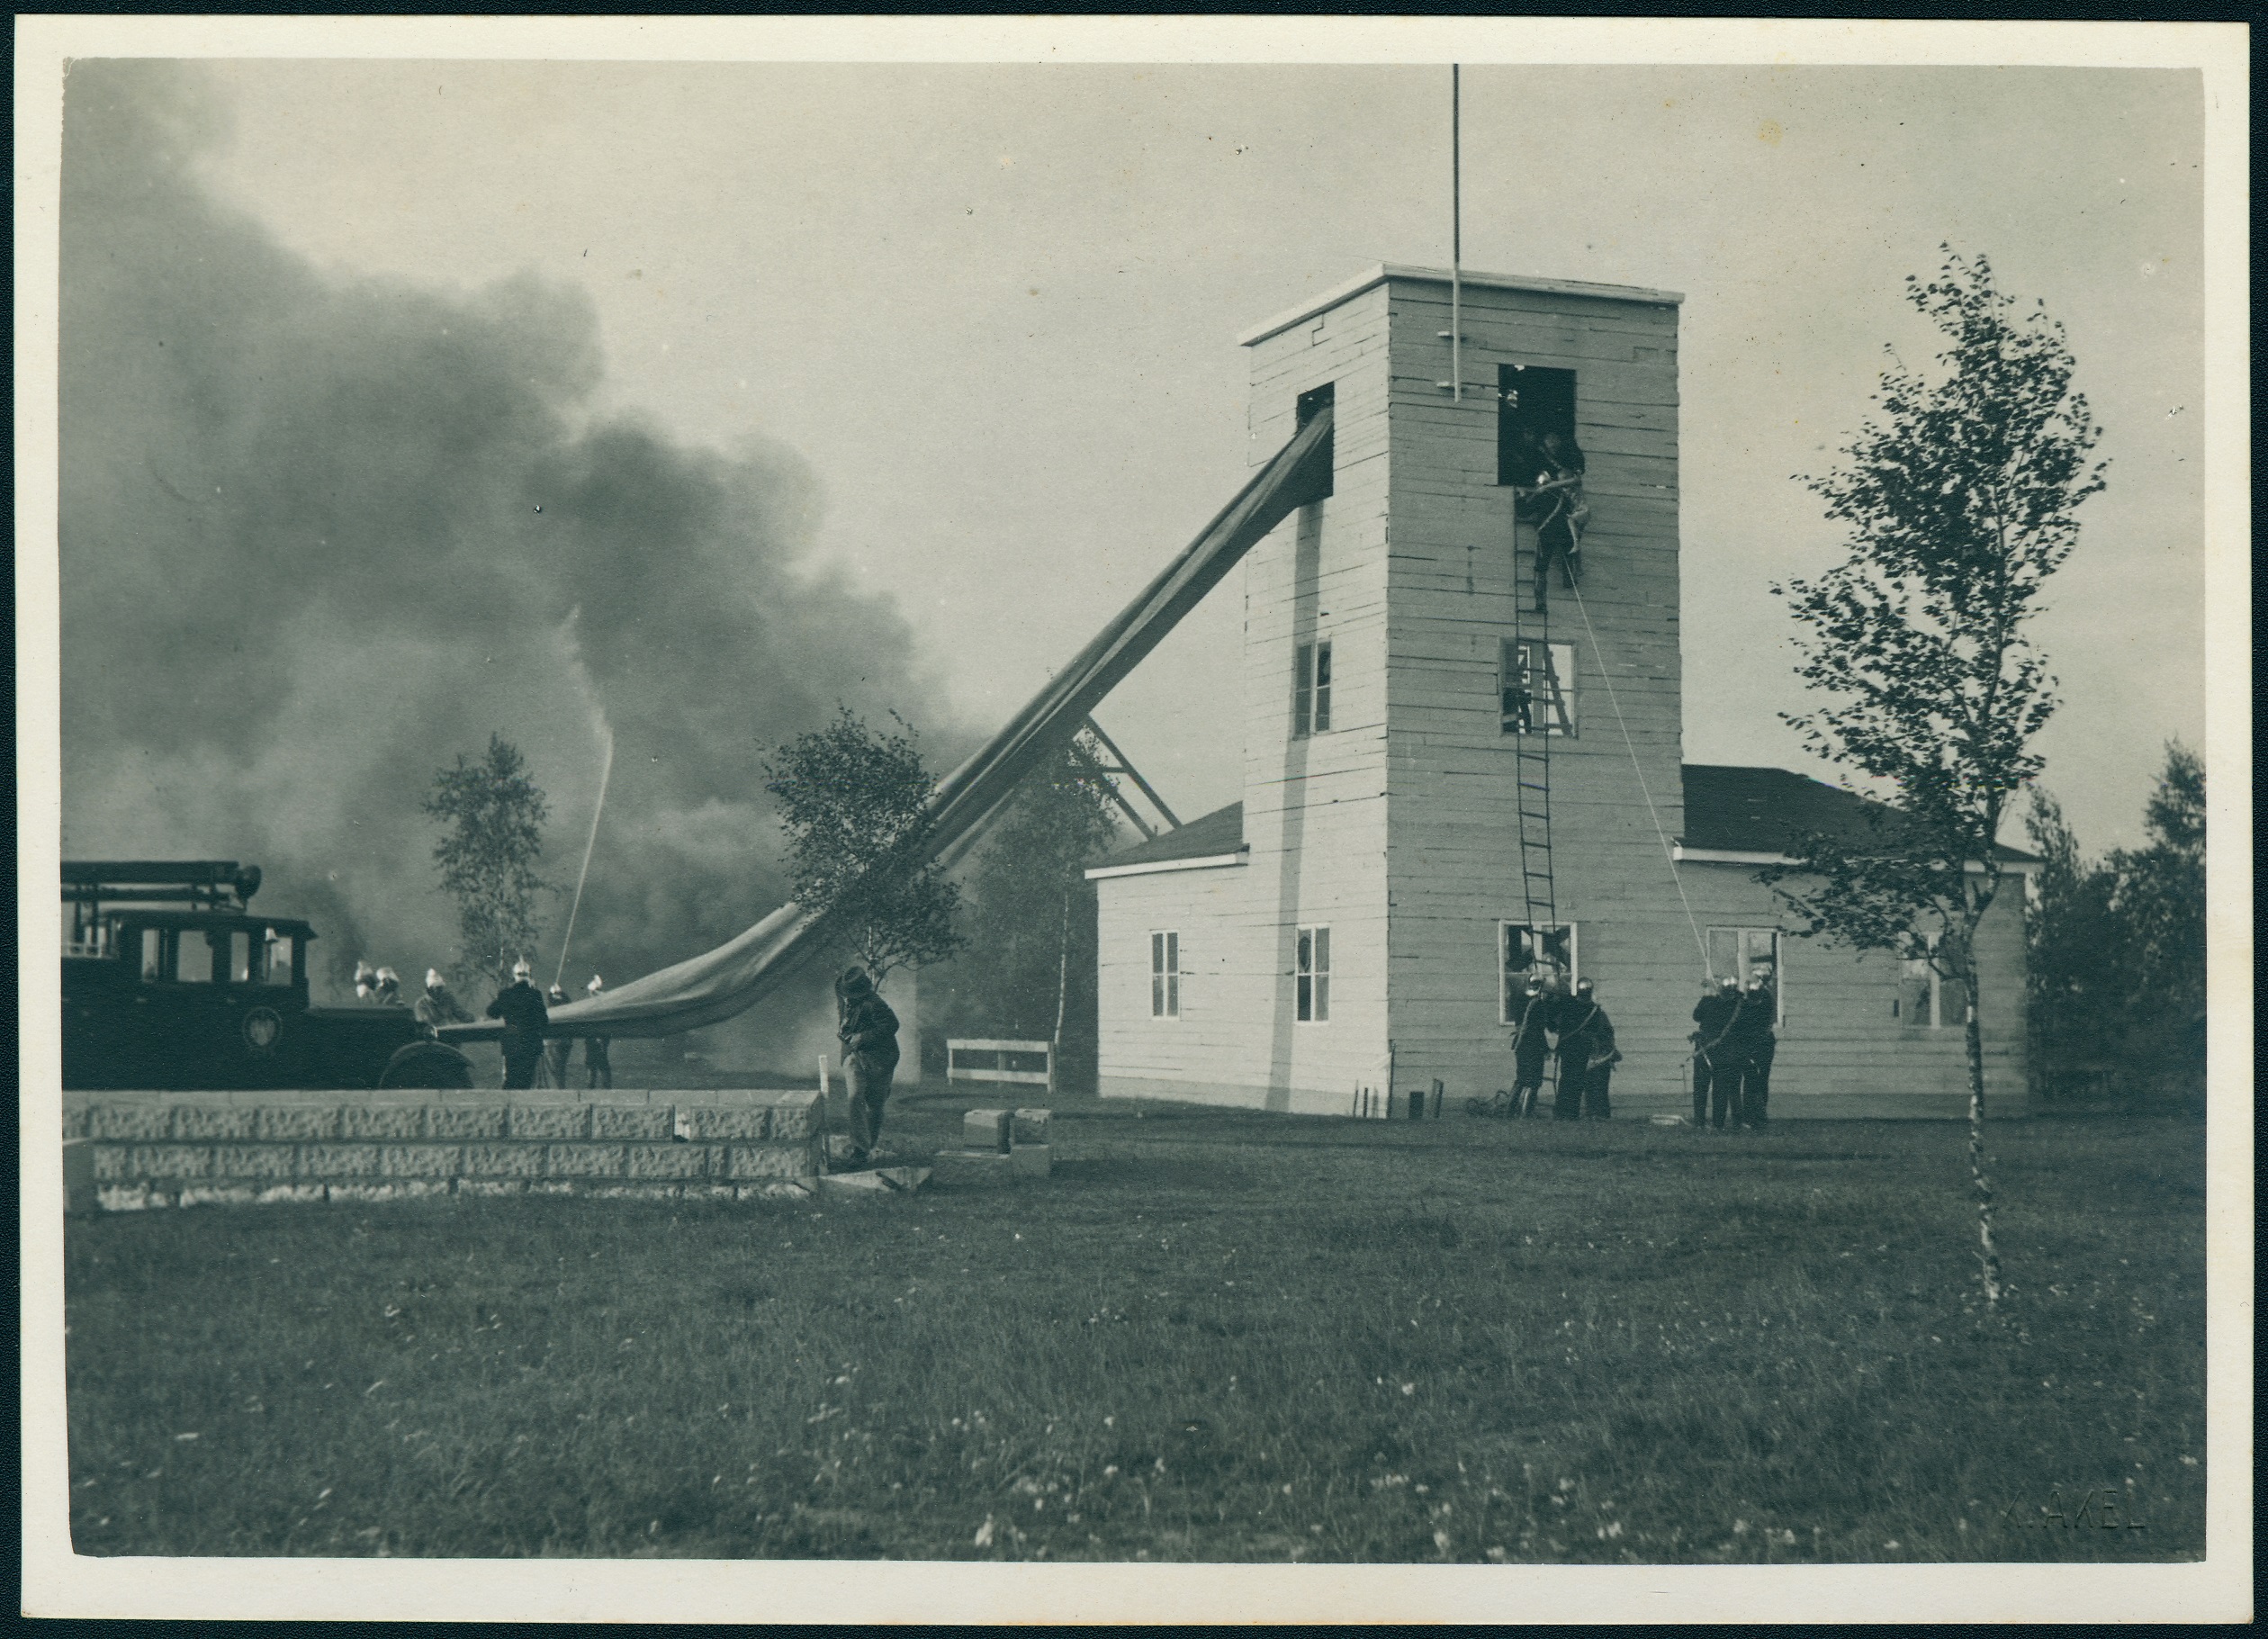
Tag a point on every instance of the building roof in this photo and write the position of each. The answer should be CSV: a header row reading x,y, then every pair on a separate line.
x,y
1747,810
1735,810
1383,271
1218,832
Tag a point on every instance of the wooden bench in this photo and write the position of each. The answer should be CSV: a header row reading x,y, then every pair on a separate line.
x,y
988,1060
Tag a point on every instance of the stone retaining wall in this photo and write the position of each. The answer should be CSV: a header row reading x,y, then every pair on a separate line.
x,y
127,1151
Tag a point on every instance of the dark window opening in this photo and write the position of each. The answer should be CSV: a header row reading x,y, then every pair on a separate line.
x,y
1313,403
1532,401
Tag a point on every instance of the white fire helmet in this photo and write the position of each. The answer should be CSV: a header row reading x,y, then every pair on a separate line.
x,y
388,976
434,981
522,968
596,985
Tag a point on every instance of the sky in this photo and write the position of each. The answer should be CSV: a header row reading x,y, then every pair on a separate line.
x,y
680,401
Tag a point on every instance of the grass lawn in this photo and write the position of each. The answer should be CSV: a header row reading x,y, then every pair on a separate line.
x,y
1211,1335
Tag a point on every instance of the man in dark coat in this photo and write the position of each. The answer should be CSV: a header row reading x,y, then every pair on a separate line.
x,y
868,1032
1554,505
521,1007
1586,1051
1716,1077
1753,1042
1530,1048
437,1006
558,1050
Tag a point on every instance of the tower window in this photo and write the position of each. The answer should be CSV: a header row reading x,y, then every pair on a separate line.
x,y
1527,951
1313,403
1535,683
1311,980
1532,401
1311,689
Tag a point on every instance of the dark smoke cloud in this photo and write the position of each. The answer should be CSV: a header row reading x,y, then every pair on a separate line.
x,y
320,534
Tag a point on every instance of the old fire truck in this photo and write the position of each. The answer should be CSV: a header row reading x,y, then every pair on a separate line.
x,y
172,983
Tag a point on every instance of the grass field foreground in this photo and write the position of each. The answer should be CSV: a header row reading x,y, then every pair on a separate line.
x,y
1211,1335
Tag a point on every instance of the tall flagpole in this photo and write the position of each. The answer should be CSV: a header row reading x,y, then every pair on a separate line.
x,y
1456,243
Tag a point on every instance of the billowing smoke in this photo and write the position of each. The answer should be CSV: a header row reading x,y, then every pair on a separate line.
x,y
322,534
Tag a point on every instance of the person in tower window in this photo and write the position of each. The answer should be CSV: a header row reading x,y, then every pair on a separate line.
x,y
1554,504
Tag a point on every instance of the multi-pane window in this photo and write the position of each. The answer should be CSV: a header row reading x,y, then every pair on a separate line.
x,y
1528,951
1536,681
1164,976
1920,999
1311,978
1311,689
1744,953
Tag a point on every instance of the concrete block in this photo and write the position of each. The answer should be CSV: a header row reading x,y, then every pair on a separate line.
x,y
295,1121
129,1198
985,1129
112,1162
876,1185
170,1161
1027,1127
218,1194
503,1160
550,1186
402,1189
548,1122
213,1121
750,1123
263,1161
381,1122
339,1160
779,1189
490,1186
1030,1160
583,1160
465,1121
673,1160
78,1177
75,1122
793,1115
421,1160
957,1169
129,1121
291,1194
770,1161
647,1123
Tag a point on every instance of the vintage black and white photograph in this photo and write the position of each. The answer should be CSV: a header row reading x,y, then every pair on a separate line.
x,y
1152,810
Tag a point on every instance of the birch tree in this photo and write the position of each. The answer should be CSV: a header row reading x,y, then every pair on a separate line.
x,y
1960,499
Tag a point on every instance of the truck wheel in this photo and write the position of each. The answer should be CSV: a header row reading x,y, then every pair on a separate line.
x,y
428,1064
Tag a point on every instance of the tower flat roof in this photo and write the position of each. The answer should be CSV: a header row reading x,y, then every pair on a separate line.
x,y
1384,270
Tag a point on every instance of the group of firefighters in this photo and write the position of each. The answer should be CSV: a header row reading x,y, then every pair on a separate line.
x,y
1733,1041
529,1060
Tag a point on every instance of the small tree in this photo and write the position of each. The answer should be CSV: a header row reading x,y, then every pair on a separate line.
x,y
494,815
2159,898
852,801
1961,502
1026,886
2075,989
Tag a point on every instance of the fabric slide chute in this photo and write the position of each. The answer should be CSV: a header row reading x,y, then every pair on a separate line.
x,y
716,986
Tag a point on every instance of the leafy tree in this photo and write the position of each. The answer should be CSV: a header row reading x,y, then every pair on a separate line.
x,y
2076,1001
853,802
1030,937
494,815
1961,501
2160,894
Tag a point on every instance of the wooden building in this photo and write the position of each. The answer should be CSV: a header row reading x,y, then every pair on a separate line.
x,y
1369,901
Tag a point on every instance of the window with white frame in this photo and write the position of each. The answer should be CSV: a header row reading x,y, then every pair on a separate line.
x,y
1532,951
1165,976
1535,682
1311,977
1311,690
1920,1003
1743,953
